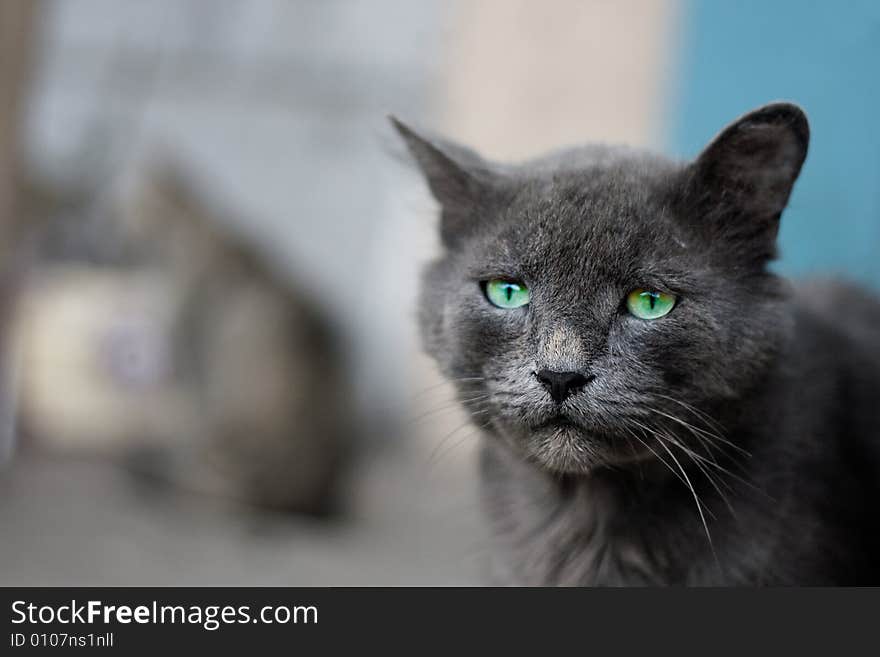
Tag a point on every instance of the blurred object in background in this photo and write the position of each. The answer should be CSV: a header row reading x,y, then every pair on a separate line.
x,y
158,336
17,28
17,21
278,106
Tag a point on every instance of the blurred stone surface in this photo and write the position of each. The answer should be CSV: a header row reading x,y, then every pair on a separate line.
x,y
68,523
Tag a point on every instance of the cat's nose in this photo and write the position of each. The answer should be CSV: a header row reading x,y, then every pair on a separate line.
x,y
562,384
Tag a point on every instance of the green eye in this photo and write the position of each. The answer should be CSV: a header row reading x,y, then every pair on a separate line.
x,y
649,304
506,294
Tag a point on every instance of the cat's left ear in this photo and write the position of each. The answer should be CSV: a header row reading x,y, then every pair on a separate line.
x,y
742,180
459,179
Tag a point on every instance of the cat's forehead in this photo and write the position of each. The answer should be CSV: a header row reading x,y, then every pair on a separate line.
x,y
584,219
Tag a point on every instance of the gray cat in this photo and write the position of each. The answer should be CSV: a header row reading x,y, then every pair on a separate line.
x,y
656,406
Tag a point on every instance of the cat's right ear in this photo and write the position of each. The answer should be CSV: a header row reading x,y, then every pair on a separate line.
x,y
459,179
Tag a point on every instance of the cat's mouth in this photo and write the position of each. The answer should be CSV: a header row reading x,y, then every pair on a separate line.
x,y
564,445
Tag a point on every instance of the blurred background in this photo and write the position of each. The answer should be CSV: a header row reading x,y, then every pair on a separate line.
x,y
211,240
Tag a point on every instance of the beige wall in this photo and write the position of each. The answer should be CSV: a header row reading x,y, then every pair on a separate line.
x,y
525,75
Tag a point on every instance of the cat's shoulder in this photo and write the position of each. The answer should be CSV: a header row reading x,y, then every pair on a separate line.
x,y
838,324
848,307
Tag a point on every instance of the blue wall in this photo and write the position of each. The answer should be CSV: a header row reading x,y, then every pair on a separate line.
x,y
826,57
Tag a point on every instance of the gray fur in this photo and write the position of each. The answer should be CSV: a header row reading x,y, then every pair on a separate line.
x,y
751,396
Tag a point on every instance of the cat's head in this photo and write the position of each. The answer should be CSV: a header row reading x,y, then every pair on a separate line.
x,y
589,298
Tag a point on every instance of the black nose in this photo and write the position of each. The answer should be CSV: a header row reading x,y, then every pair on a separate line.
x,y
561,384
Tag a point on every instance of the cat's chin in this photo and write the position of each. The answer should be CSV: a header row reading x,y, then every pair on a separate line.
x,y
564,447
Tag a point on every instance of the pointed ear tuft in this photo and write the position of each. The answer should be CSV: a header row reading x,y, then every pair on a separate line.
x,y
458,178
743,178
